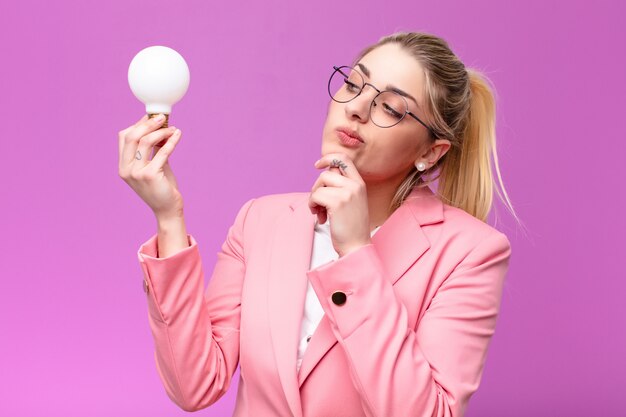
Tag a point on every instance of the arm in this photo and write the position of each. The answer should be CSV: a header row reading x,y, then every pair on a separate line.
x,y
399,371
196,333
171,236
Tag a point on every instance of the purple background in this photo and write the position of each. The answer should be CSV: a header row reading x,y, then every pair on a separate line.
x,y
74,336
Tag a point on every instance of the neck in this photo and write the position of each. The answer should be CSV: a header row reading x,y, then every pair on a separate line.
x,y
379,196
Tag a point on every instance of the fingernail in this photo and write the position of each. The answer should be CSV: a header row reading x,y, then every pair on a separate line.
x,y
177,132
317,162
158,118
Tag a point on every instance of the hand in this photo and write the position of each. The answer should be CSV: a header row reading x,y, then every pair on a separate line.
x,y
153,180
340,194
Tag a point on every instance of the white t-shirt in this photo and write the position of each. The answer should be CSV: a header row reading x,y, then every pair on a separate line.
x,y
323,252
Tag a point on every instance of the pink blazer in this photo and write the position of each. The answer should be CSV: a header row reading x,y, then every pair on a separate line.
x,y
410,340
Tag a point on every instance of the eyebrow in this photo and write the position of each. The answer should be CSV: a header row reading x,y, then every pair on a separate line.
x,y
389,87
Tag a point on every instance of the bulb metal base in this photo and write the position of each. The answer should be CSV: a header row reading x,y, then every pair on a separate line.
x,y
165,123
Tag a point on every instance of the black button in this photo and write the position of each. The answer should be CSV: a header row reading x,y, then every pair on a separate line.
x,y
339,298
308,339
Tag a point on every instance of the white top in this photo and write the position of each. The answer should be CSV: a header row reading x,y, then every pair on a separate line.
x,y
323,252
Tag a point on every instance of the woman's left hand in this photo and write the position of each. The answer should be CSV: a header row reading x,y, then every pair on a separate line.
x,y
340,194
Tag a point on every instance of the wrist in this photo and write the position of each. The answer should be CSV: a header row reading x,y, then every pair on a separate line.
x,y
353,248
171,236
166,223
170,217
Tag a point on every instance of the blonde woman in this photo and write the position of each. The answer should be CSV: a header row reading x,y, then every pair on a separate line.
x,y
370,295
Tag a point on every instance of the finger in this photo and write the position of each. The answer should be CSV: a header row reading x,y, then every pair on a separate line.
x,y
143,119
318,211
122,134
143,155
162,155
340,162
336,159
137,123
128,143
314,207
323,201
330,179
326,197
160,144
132,137
322,216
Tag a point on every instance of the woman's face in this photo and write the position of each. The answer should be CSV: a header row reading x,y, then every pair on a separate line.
x,y
384,154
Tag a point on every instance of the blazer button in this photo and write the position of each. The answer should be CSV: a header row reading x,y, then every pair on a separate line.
x,y
146,289
339,298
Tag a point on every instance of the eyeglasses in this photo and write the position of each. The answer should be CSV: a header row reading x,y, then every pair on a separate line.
x,y
387,109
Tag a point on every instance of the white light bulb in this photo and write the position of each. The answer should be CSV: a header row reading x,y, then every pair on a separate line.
x,y
159,77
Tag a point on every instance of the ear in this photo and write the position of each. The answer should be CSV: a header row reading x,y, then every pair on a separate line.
x,y
435,151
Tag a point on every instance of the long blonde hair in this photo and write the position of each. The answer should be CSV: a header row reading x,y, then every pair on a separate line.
x,y
462,108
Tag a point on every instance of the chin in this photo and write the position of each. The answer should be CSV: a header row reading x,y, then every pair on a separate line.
x,y
328,147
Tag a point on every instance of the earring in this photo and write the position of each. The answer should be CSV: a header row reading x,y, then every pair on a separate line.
x,y
420,166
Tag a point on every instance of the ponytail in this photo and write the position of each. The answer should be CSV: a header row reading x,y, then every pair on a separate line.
x,y
465,179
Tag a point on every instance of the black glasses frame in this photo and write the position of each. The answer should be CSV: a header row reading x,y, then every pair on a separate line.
x,y
407,111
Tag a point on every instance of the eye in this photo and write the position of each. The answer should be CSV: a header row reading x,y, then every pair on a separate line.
x,y
391,111
350,86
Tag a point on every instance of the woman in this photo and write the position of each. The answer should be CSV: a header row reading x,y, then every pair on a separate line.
x,y
369,296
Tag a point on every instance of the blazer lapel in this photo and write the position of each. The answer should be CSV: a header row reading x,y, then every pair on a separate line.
x,y
400,241
291,258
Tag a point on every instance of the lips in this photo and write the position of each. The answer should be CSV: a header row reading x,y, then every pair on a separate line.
x,y
351,133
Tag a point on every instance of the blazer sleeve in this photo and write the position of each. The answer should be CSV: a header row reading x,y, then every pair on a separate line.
x,y
400,371
196,332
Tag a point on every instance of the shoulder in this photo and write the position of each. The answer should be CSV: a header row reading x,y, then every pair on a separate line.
x,y
269,206
448,226
274,202
468,231
280,199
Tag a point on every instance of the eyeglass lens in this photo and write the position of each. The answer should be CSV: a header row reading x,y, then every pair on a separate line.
x,y
386,110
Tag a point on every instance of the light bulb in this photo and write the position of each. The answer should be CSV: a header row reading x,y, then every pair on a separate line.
x,y
159,77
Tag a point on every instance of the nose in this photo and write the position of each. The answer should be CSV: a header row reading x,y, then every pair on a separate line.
x,y
359,107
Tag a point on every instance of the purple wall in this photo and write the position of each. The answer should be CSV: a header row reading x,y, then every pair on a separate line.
x,y
74,336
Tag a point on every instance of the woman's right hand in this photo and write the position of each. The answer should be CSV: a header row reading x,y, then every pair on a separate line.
x,y
153,180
